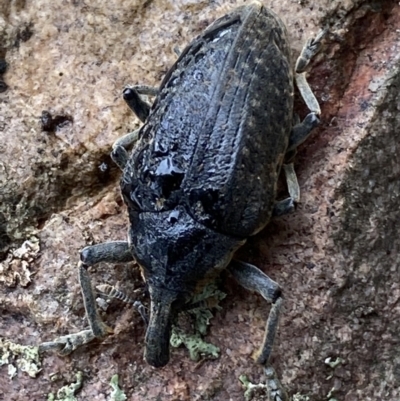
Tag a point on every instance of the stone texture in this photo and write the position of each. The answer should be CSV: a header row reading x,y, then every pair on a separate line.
x,y
336,258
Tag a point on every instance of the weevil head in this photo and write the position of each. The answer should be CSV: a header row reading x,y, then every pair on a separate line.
x,y
176,254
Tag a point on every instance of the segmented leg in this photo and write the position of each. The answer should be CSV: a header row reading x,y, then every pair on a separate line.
x,y
310,49
292,183
113,292
253,279
287,205
114,252
141,108
136,103
119,153
300,131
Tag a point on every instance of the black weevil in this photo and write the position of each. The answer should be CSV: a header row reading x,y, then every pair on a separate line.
x,y
203,172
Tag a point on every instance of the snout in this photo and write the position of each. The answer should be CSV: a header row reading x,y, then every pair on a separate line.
x,y
157,347
158,334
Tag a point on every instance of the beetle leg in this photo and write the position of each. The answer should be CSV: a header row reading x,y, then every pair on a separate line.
x,y
177,50
283,207
119,154
310,49
113,292
66,344
253,279
117,251
300,132
275,390
292,183
287,205
140,107
146,90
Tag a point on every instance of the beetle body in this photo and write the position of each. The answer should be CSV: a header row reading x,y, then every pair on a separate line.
x,y
202,177
216,136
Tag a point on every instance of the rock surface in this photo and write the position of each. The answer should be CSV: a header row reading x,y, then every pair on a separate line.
x,y
336,258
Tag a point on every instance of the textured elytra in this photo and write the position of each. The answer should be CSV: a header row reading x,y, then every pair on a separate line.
x,y
219,127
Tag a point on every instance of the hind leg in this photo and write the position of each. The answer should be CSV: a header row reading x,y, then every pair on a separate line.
x,y
302,130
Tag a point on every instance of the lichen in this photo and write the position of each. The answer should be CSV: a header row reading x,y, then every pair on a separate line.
x,y
15,268
117,394
25,358
67,393
253,391
272,389
201,315
333,363
195,344
300,397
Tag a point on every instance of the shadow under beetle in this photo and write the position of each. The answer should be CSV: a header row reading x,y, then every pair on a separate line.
x,y
203,172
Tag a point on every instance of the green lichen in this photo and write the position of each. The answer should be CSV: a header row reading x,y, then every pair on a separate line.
x,y
25,358
208,299
67,393
300,397
117,394
270,390
201,315
333,363
195,344
254,391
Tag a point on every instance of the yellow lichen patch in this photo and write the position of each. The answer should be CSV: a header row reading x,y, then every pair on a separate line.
x,y
67,393
15,268
25,358
201,314
117,394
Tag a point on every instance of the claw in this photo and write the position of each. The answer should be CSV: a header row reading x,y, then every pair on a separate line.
x,y
312,47
66,344
275,388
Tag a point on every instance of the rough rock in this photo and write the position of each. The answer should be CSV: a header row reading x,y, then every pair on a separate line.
x,y
336,257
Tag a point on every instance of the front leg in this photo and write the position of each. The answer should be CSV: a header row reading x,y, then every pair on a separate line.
x,y
133,98
114,252
136,103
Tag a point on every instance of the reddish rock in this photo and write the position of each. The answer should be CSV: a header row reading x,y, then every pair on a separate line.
x,y
336,257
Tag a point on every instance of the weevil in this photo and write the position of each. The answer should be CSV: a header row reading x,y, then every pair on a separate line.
x,y
202,175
